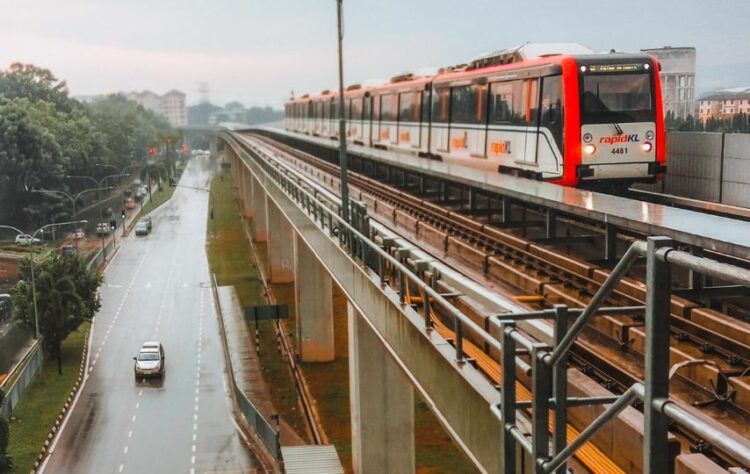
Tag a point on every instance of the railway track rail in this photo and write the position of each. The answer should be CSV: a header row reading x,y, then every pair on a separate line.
x,y
556,278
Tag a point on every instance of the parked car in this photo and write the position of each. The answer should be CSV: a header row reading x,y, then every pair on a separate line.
x,y
26,239
68,249
148,222
5,306
150,360
103,228
79,234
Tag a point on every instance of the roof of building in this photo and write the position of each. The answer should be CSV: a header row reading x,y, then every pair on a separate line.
x,y
728,94
175,92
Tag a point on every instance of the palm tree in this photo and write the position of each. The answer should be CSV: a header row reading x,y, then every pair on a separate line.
x,y
153,171
57,303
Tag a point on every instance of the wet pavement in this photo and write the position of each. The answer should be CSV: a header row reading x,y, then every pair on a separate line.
x,y
157,288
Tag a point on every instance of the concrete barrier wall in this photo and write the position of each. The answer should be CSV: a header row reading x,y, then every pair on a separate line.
x,y
736,182
707,166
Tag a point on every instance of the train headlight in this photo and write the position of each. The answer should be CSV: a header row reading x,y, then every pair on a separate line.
x,y
649,135
646,66
587,137
583,68
589,149
647,146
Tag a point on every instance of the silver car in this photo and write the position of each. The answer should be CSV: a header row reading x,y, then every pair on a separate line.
x,y
150,360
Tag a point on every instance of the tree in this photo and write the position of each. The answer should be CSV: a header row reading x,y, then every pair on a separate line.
x,y
6,463
66,293
154,171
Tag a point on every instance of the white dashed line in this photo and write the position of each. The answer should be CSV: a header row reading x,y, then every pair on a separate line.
x,y
120,468
125,451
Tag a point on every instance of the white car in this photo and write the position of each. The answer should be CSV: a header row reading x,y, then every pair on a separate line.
x,y
26,239
150,360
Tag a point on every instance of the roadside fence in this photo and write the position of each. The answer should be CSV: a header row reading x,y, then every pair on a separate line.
x,y
22,376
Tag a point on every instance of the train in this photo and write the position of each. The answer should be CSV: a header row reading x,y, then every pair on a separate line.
x,y
554,112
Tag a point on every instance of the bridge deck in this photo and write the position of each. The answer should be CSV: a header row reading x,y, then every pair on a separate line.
x,y
702,230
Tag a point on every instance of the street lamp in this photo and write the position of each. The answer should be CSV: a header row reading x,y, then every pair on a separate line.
x,y
31,256
121,171
98,183
342,124
73,199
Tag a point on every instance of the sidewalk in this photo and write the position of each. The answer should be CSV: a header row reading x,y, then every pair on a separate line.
x,y
247,366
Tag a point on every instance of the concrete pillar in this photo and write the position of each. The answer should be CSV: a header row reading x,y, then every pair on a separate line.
x,y
280,245
382,404
247,194
313,292
260,229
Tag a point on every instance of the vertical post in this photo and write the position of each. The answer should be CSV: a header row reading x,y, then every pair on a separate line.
x,y
541,388
459,332
610,242
342,123
505,205
551,224
508,397
560,387
658,290
33,290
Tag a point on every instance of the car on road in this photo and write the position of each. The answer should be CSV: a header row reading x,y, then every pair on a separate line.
x,y
142,227
150,360
26,239
103,229
78,234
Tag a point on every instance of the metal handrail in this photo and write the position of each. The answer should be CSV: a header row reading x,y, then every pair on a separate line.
x,y
546,359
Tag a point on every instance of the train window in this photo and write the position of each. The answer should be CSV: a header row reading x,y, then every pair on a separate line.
x,y
530,101
357,108
334,108
552,108
405,105
389,107
514,102
366,112
611,98
376,108
501,102
467,104
440,105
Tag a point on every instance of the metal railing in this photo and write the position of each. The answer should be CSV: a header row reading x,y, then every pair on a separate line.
x,y
267,432
22,377
548,362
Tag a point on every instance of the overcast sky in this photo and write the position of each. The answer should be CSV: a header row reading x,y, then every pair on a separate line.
x,y
258,51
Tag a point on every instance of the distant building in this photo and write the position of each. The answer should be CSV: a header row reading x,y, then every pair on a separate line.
x,y
170,105
725,103
677,78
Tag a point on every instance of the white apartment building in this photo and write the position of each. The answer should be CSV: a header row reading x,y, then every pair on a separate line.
x,y
170,105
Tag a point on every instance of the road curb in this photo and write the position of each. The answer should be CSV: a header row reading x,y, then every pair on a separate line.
x,y
69,403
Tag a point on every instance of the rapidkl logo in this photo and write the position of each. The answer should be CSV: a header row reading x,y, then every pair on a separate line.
x,y
612,139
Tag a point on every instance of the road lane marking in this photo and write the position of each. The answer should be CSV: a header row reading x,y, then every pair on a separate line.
x,y
120,468
133,421
125,451
130,434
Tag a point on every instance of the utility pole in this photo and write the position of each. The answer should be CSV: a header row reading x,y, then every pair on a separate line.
x,y
342,122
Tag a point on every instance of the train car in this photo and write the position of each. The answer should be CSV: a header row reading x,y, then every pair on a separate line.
x,y
556,112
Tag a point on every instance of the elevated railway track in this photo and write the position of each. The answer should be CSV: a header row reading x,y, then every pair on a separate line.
x,y
710,347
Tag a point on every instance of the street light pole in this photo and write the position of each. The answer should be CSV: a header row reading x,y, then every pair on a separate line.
x,y
342,123
31,258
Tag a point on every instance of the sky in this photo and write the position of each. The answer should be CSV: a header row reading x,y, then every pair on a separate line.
x,y
259,51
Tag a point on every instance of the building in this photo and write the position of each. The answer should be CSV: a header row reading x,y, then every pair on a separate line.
x,y
173,103
170,105
677,78
724,103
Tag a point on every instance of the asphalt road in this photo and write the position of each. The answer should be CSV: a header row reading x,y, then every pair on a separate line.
x,y
157,288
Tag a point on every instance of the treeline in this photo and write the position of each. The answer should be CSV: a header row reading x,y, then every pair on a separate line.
x,y
46,137
739,123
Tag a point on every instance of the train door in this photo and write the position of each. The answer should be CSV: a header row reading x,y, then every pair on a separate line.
x,y
424,123
531,118
550,137
366,135
478,142
439,125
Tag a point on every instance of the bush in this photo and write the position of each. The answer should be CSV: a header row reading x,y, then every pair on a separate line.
x,y
6,463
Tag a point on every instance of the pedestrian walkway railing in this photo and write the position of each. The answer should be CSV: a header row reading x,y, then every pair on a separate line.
x,y
547,368
266,432
21,378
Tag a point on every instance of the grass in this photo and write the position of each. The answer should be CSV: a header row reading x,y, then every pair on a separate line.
x,y
230,257
44,398
162,195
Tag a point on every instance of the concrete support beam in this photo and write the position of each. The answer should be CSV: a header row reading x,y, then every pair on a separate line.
x,y
313,291
280,245
260,224
382,404
247,194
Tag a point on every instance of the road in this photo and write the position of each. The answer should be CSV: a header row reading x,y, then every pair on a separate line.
x,y
157,287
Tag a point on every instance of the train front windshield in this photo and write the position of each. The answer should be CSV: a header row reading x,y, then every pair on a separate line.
x,y
620,98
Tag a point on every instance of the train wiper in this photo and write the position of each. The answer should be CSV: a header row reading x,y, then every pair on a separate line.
x,y
618,128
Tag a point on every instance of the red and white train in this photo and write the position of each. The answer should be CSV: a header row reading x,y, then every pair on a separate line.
x,y
558,113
